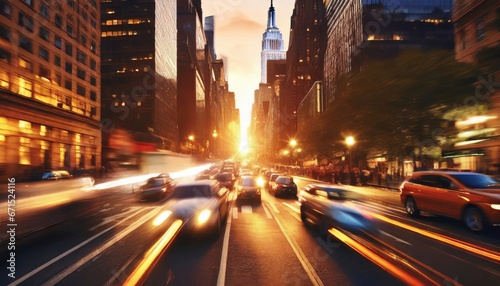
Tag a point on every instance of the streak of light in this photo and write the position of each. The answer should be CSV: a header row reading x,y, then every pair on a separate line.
x,y
477,250
397,272
153,255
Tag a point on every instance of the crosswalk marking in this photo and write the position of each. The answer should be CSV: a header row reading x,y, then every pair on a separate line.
x,y
268,213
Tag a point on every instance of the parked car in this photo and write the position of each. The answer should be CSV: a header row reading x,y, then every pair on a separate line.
x,y
468,196
156,187
283,185
327,206
202,205
248,188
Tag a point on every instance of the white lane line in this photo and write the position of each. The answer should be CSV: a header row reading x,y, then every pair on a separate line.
x,y
62,255
221,279
268,213
235,212
313,276
275,209
394,237
96,252
292,207
246,209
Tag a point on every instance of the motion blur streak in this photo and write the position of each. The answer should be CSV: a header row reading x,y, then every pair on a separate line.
x,y
140,274
161,218
486,253
404,276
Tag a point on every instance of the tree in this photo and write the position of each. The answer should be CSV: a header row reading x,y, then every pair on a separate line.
x,y
396,105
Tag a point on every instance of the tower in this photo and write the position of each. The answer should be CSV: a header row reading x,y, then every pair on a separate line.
x,y
273,46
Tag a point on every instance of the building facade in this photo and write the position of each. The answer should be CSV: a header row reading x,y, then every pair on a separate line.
x,y
273,45
139,72
49,86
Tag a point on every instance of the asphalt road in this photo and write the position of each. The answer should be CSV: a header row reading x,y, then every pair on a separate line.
x,y
264,244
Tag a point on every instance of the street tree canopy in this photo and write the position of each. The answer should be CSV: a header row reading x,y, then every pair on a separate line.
x,y
395,105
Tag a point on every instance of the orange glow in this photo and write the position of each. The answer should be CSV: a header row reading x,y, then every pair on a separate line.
x,y
486,253
152,255
402,275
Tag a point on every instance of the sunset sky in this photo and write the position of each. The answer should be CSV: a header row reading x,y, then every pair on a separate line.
x,y
239,26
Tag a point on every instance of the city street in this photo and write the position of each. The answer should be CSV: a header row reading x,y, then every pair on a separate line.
x,y
261,245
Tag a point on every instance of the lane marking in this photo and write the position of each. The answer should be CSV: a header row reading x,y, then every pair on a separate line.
x,y
295,209
275,209
394,237
221,279
268,213
111,242
313,276
235,212
69,251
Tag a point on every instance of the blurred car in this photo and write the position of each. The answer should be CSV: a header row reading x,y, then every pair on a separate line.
x,y
271,179
283,185
202,205
327,206
471,197
226,179
203,176
156,187
248,189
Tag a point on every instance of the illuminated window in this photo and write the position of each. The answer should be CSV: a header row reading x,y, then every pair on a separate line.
x,y
64,135
62,154
24,151
4,79
44,152
25,87
24,126
43,130
78,138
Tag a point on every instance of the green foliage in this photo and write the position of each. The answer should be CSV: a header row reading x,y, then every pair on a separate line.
x,y
395,105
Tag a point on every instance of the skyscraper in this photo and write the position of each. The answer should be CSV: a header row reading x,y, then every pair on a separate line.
x,y
273,46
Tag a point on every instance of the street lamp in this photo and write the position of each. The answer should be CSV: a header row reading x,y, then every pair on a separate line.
x,y
215,148
293,143
349,141
191,139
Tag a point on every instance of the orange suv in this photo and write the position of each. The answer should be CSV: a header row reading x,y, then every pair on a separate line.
x,y
471,197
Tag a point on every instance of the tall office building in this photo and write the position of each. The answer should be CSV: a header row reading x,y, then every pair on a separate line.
x,y
49,86
273,45
139,71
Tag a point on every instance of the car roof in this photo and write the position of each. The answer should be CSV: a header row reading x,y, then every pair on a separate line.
x,y
198,183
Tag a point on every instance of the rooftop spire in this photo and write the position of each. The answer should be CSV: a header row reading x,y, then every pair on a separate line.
x,y
271,23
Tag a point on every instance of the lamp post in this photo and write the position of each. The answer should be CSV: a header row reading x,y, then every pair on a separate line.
x,y
215,135
349,141
293,143
191,139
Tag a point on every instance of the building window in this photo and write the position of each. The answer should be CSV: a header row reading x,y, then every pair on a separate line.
x,y
93,111
58,42
58,21
69,30
44,73
4,79
4,56
43,130
5,8
69,49
57,60
44,34
69,67
57,79
80,73
68,85
67,101
83,40
93,47
24,126
71,3
28,2
93,65
43,53
44,11
25,64
80,90
5,33
24,151
25,22
81,57
480,29
26,44
93,81
25,87
93,96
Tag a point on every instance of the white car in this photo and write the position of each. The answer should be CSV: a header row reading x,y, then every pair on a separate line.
x,y
202,205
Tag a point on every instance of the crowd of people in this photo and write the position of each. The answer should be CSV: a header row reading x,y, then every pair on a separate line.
x,y
347,176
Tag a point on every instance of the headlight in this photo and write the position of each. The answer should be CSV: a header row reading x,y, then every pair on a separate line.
x,y
203,216
495,207
161,218
260,182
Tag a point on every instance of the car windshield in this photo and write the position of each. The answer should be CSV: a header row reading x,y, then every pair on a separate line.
x,y
248,182
155,181
224,177
284,180
477,181
186,192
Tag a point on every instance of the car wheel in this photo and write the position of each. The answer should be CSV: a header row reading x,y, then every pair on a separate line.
x,y
303,215
411,207
474,219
